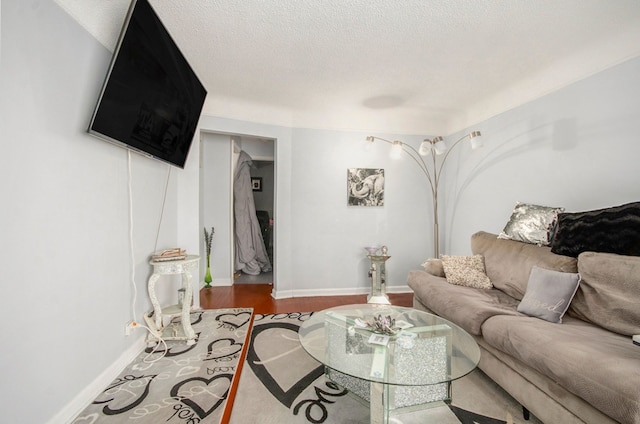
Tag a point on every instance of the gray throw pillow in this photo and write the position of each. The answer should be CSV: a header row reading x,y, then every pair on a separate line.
x,y
549,294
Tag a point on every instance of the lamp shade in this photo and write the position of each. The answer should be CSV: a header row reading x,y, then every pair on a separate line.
x,y
439,145
475,139
425,148
396,150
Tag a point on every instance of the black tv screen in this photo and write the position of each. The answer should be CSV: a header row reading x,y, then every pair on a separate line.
x,y
151,100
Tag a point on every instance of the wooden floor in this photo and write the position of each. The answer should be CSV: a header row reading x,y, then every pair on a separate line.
x,y
258,297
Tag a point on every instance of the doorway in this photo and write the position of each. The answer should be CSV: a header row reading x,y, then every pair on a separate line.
x,y
219,156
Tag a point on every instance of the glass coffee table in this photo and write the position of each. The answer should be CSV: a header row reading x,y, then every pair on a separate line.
x,y
395,373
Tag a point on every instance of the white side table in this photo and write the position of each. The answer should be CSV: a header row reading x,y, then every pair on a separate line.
x,y
182,309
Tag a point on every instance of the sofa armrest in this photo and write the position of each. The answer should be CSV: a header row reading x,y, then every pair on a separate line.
x,y
434,267
421,281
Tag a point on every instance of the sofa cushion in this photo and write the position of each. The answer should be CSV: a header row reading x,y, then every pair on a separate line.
x,y
597,365
609,294
466,271
508,263
611,230
466,307
549,294
531,224
434,267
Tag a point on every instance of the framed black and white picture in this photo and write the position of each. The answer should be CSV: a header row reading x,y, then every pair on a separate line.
x,y
256,183
365,187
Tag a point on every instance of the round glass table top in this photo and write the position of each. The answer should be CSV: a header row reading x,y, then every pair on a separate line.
x,y
423,350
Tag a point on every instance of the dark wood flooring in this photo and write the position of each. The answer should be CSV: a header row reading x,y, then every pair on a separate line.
x,y
258,297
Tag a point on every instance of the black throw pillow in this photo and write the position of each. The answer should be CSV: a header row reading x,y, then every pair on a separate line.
x,y
611,230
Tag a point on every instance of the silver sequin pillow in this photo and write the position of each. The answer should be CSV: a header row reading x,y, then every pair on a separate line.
x,y
466,271
532,224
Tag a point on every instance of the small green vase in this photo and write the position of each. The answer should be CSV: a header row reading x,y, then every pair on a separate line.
x,y
207,277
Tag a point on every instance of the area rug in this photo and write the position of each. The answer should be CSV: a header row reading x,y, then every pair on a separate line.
x,y
179,383
281,384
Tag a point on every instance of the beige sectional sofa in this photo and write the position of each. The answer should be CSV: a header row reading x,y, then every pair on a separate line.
x,y
583,370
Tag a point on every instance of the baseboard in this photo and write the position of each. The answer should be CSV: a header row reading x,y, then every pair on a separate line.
x,y
219,282
284,294
399,289
84,398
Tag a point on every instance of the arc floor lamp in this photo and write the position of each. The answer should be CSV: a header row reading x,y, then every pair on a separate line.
x,y
434,147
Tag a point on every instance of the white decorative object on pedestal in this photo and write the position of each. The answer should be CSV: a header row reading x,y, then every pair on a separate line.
x,y
377,273
182,267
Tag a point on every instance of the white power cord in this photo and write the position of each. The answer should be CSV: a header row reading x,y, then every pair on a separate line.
x,y
164,199
133,269
146,359
131,252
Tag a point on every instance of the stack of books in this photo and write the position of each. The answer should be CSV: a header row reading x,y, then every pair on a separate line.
x,y
174,254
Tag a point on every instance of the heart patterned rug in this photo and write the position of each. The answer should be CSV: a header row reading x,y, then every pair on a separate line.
x,y
281,384
186,384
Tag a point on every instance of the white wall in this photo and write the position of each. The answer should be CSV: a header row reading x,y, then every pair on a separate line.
x,y
330,236
319,239
264,199
258,148
577,148
326,254
67,290
216,198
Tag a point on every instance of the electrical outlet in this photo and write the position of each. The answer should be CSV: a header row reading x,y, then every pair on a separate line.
x,y
129,327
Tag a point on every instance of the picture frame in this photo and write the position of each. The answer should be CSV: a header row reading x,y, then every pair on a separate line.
x,y
365,187
256,183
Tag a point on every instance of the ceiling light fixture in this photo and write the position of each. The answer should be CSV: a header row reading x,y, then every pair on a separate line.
x,y
434,147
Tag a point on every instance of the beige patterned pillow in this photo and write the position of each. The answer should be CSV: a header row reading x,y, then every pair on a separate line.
x,y
466,271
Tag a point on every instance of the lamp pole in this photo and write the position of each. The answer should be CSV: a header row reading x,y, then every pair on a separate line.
x,y
434,147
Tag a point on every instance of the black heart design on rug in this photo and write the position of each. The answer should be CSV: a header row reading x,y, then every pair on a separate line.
x,y
198,318
174,350
306,369
124,393
214,390
223,348
234,321
142,392
467,417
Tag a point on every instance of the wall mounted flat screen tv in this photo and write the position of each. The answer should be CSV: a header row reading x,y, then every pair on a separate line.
x,y
151,99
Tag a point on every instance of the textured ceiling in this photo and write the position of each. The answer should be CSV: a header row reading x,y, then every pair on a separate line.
x,y
413,66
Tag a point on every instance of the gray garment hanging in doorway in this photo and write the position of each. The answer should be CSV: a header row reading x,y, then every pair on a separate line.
x,y
250,252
